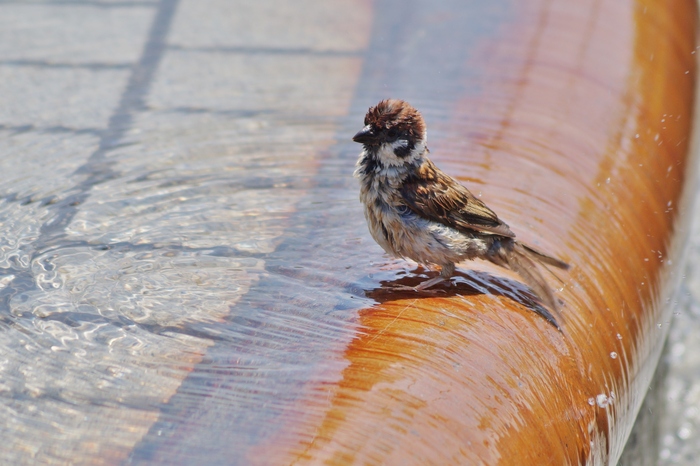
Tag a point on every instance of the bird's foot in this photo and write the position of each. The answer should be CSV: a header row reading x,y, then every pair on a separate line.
x,y
423,286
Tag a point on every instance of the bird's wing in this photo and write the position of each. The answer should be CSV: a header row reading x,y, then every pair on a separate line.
x,y
435,196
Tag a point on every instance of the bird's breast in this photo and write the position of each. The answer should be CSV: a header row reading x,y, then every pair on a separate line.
x,y
402,233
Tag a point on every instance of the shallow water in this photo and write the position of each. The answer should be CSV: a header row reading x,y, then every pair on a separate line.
x,y
132,235
184,255
184,263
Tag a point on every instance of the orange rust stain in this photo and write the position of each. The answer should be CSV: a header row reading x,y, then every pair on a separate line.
x,y
582,143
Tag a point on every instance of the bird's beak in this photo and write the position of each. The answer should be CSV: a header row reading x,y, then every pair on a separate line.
x,y
365,136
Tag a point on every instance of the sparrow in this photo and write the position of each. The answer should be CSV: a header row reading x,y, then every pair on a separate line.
x,y
416,211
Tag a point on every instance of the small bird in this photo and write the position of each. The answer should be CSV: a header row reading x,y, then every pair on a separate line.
x,y
416,211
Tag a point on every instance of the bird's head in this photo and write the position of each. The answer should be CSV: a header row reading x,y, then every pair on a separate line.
x,y
394,133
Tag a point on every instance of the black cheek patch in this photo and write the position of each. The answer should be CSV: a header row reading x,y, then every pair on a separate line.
x,y
404,151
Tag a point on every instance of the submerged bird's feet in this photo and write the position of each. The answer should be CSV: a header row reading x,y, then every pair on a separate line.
x,y
446,273
423,286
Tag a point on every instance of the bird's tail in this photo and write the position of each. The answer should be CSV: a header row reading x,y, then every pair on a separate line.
x,y
544,258
522,260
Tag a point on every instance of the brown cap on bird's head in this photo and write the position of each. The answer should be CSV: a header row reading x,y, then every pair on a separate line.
x,y
395,112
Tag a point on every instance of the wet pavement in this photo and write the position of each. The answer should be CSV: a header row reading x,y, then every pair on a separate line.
x,y
176,178
151,161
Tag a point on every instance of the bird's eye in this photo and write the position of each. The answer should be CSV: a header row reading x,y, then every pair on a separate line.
x,y
393,133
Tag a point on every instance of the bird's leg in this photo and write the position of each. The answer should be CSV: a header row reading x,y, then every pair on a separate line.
x,y
445,274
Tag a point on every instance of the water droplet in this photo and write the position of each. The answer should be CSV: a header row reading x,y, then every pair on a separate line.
x,y
613,355
619,337
677,350
602,400
591,401
684,432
